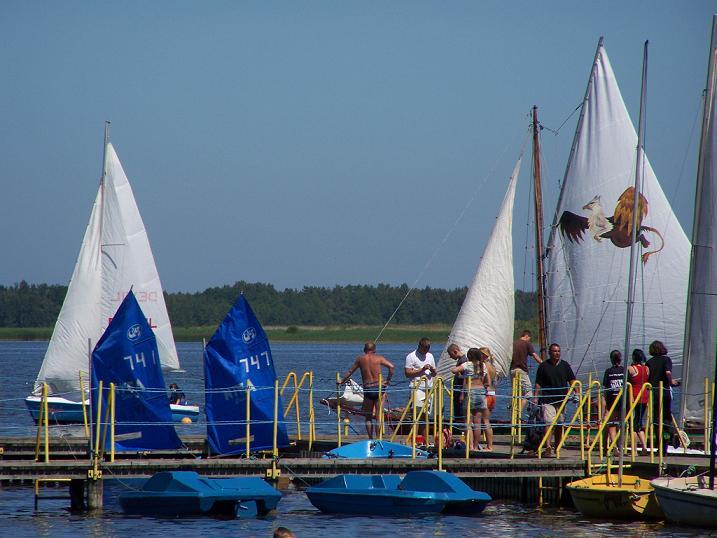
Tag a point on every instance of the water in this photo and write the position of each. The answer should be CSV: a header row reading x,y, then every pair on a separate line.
x,y
21,360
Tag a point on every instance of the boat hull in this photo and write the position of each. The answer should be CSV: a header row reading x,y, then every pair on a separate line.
x,y
595,497
420,492
185,493
687,501
63,411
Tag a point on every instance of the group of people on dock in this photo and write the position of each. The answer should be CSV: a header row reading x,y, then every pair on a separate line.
x,y
474,392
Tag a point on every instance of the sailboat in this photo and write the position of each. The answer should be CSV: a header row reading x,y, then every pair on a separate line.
x,y
127,356
605,123
115,256
587,255
693,500
487,315
242,396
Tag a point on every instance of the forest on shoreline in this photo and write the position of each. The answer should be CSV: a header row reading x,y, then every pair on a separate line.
x,y
29,311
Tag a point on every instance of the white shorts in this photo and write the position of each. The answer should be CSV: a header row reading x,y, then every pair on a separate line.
x,y
420,398
525,387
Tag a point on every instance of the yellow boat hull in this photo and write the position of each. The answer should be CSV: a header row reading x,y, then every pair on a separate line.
x,y
596,497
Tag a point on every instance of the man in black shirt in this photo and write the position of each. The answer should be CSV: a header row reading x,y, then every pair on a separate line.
x,y
612,382
455,353
552,383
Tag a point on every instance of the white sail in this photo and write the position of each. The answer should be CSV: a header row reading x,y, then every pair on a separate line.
x,y
700,336
487,315
115,256
588,252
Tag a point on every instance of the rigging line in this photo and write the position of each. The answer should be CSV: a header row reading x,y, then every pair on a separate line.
x,y
450,230
557,131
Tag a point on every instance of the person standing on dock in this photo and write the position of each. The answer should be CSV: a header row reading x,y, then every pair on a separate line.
x,y
522,349
552,383
455,353
612,384
660,370
370,364
420,368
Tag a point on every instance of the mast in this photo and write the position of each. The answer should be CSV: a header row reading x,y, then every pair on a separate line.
x,y
633,251
102,202
539,248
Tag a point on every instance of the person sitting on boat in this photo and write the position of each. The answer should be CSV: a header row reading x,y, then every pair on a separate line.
x,y
612,382
420,368
660,370
552,383
370,364
176,396
522,349
639,374
477,379
455,353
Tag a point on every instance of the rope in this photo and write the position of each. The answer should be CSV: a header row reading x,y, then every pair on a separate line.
x,y
451,229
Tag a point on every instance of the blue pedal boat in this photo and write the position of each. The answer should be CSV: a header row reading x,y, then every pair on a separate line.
x,y
420,492
185,493
374,449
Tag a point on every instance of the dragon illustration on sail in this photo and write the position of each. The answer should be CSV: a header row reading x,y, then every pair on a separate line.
x,y
616,228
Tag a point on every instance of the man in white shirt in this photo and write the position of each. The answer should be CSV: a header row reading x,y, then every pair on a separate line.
x,y
420,369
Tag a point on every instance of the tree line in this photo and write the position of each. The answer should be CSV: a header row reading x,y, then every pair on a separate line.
x,y
37,305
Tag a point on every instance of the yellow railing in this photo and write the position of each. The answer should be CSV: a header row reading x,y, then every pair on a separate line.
x,y
575,388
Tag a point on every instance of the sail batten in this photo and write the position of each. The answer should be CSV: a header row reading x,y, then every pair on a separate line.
x,y
487,315
588,250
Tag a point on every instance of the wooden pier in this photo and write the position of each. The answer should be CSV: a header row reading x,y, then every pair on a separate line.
x,y
521,478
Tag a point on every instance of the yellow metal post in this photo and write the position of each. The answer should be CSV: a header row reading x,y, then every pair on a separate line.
x,y
414,426
84,405
380,406
312,418
338,409
707,412
113,401
469,432
248,421
439,415
660,427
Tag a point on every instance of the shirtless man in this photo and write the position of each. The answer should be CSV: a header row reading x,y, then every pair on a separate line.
x,y
370,365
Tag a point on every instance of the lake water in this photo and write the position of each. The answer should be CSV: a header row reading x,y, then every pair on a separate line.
x,y
20,362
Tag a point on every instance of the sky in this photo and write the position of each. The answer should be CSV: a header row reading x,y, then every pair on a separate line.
x,y
319,143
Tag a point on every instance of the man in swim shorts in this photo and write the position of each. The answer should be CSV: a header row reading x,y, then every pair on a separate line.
x,y
370,364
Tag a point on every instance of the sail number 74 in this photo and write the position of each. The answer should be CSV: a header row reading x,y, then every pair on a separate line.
x,y
254,361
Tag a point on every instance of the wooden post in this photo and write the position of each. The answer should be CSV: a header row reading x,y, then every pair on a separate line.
x,y
77,495
659,428
414,426
95,491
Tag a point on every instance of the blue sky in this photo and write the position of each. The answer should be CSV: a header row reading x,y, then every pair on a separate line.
x,y
318,143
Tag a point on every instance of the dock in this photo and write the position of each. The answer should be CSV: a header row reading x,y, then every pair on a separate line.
x,y
524,478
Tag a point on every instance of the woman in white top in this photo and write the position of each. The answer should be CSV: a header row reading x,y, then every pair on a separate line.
x,y
476,374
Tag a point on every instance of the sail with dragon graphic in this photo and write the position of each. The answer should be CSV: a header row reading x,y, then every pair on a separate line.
x,y
238,360
487,315
587,259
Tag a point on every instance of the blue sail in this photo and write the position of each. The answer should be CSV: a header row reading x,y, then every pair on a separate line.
x,y
127,356
238,356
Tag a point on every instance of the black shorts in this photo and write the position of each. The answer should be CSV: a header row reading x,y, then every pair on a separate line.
x,y
370,393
